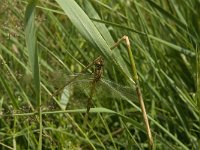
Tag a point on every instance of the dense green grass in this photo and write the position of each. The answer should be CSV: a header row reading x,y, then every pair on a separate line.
x,y
40,46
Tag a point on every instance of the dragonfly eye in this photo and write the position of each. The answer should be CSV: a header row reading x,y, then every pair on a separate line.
x,y
98,66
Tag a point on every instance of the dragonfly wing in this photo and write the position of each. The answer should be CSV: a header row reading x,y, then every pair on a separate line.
x,y
78,87
65,96
71,88
118,91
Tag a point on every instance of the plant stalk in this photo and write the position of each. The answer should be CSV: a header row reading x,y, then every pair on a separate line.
x,y
138,91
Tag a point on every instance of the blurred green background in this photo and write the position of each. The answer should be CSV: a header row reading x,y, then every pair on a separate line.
x,y
164,38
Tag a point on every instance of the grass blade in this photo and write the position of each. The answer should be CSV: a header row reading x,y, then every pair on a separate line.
x,y
85,26
30,37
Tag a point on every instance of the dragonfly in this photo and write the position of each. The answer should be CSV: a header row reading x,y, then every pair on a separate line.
x,y
98,74
94,85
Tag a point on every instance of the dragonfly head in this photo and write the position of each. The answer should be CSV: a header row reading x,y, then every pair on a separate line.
x,y
99,63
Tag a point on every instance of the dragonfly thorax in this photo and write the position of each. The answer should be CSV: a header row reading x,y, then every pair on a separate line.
x,y
98,69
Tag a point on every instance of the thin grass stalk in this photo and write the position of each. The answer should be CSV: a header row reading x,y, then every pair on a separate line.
x,y
138,91
198,80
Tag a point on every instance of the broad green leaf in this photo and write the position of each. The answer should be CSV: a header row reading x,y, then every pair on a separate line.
x,y
82,22
30,37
